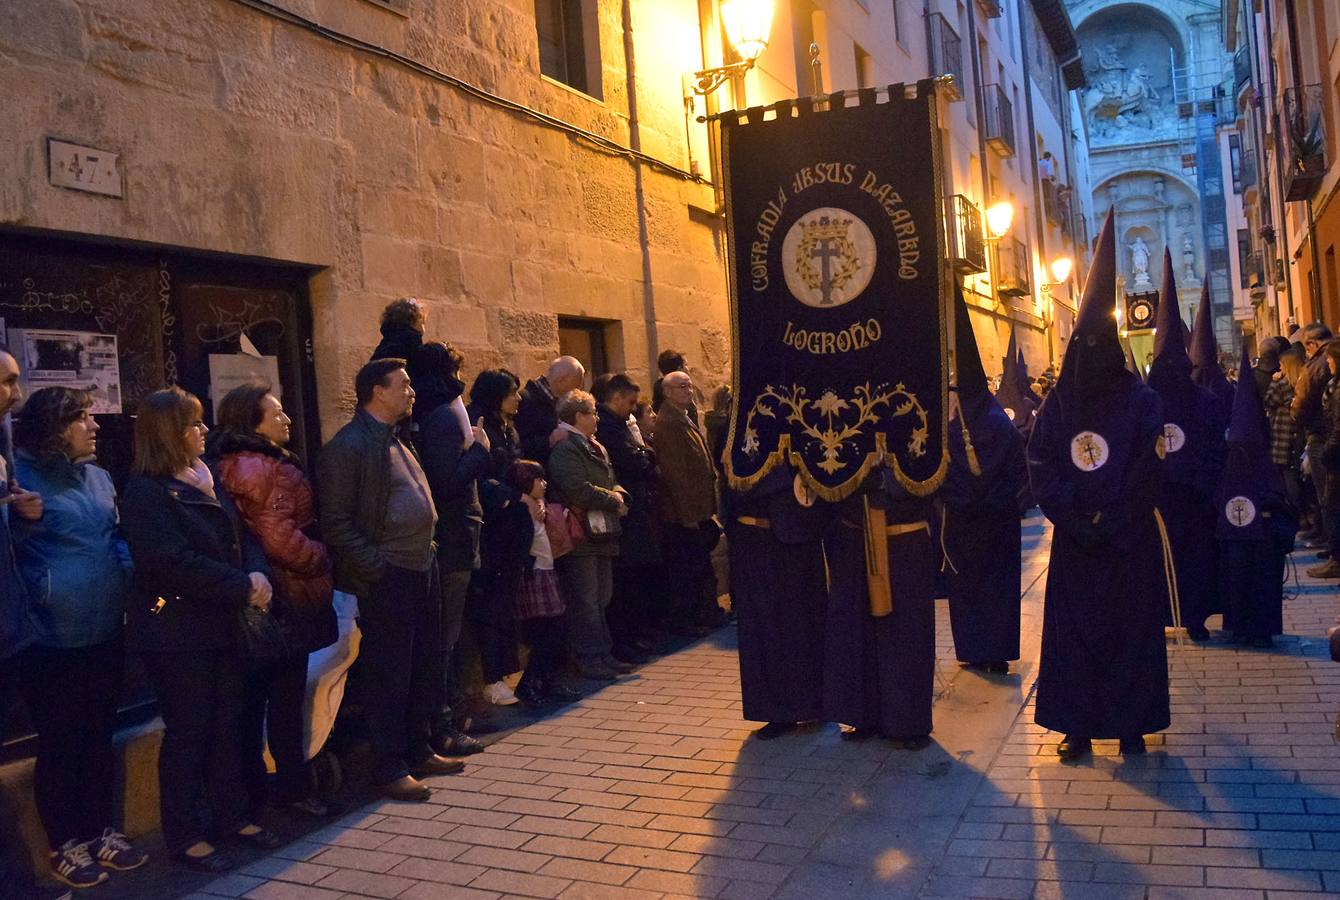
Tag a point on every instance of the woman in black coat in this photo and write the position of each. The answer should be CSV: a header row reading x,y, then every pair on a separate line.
x,y
195,571
493,404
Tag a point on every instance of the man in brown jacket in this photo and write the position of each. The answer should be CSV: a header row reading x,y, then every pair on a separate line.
x,y
688,505
1311,419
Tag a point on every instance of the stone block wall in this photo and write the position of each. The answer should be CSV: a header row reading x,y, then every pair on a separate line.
x,y
243,133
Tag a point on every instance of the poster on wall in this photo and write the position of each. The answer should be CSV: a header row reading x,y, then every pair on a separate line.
x,y
230,370
83,360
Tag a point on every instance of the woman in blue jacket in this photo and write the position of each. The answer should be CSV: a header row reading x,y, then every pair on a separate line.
x,y
75,567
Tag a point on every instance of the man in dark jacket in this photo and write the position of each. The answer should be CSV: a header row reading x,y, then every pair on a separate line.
x,y
636,567
15,868
537,416
454,455
378,519
688,503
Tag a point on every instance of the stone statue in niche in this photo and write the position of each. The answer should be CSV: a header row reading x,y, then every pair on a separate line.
x,y
1188,258
1158,189
1140,261
1184,214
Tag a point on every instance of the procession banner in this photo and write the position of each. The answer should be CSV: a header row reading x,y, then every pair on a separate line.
x,y
839,291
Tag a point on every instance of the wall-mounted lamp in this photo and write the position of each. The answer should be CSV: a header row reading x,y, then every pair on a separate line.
x,y
999,217
747,24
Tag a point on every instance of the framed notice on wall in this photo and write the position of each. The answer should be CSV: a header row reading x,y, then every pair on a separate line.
x,y
84,360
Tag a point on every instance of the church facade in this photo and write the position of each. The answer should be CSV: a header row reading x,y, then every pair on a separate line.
x,y
1157,115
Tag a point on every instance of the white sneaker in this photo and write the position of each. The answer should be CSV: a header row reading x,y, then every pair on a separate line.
x,y
499,694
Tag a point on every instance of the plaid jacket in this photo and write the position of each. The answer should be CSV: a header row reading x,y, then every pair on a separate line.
x,y
1284,441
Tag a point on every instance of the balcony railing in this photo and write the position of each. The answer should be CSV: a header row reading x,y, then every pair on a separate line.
x,y
1013,271
999,125
1247,171
1242,70
1254,274
964,241
1305,137
946,53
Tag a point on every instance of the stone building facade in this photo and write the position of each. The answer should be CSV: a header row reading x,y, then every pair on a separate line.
x,y
531,169
378,149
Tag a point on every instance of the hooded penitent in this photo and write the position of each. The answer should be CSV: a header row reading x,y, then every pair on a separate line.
x,y
1204,353
1131,365
1024,378
1095,470
1255,524
1012,394
1193,454
983,494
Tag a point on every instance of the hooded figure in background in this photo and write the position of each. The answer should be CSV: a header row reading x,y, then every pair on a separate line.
x,y
1204,351
1024,377
1255,523
1095,469
1131,365
1193,448
1015,395
778,592
980,519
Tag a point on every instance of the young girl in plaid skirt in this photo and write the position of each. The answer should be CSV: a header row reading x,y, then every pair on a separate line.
x,y
539,604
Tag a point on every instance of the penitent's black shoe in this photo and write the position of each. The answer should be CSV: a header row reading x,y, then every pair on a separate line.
x,y
1199,634
1072,748
1132,746
774,730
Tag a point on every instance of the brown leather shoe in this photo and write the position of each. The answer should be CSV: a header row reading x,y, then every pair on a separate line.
x,y
408,789
1328,569
436,765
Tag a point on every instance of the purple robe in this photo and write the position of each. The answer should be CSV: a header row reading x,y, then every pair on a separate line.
x,y
879,672
1255,523
982,533
1104,667
1194,453
780,599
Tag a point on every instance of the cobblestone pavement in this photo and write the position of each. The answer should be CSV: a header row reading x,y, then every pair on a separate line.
x,y
652,788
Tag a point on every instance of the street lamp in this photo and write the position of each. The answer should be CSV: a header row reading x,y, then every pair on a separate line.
x,y
747,24
999,217
1061,268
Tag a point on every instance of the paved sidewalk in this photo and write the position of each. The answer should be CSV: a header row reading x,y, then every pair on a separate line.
x,y
652,788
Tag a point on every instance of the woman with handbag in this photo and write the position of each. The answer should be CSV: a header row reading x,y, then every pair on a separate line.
x,y
196,572
274,499
76,568
583,480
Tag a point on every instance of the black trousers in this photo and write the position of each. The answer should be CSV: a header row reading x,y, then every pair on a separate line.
x,y
544,636
200,790
16,870
71,695
691,579
402,661
273,714
638,601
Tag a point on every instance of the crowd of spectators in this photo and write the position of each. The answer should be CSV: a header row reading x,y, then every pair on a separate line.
x,y
486,531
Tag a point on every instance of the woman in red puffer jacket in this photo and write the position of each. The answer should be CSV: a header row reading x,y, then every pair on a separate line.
x,y
274,499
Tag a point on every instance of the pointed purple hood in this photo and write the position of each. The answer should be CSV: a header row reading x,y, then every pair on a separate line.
x,y
1204,352
1170,331
1094,360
